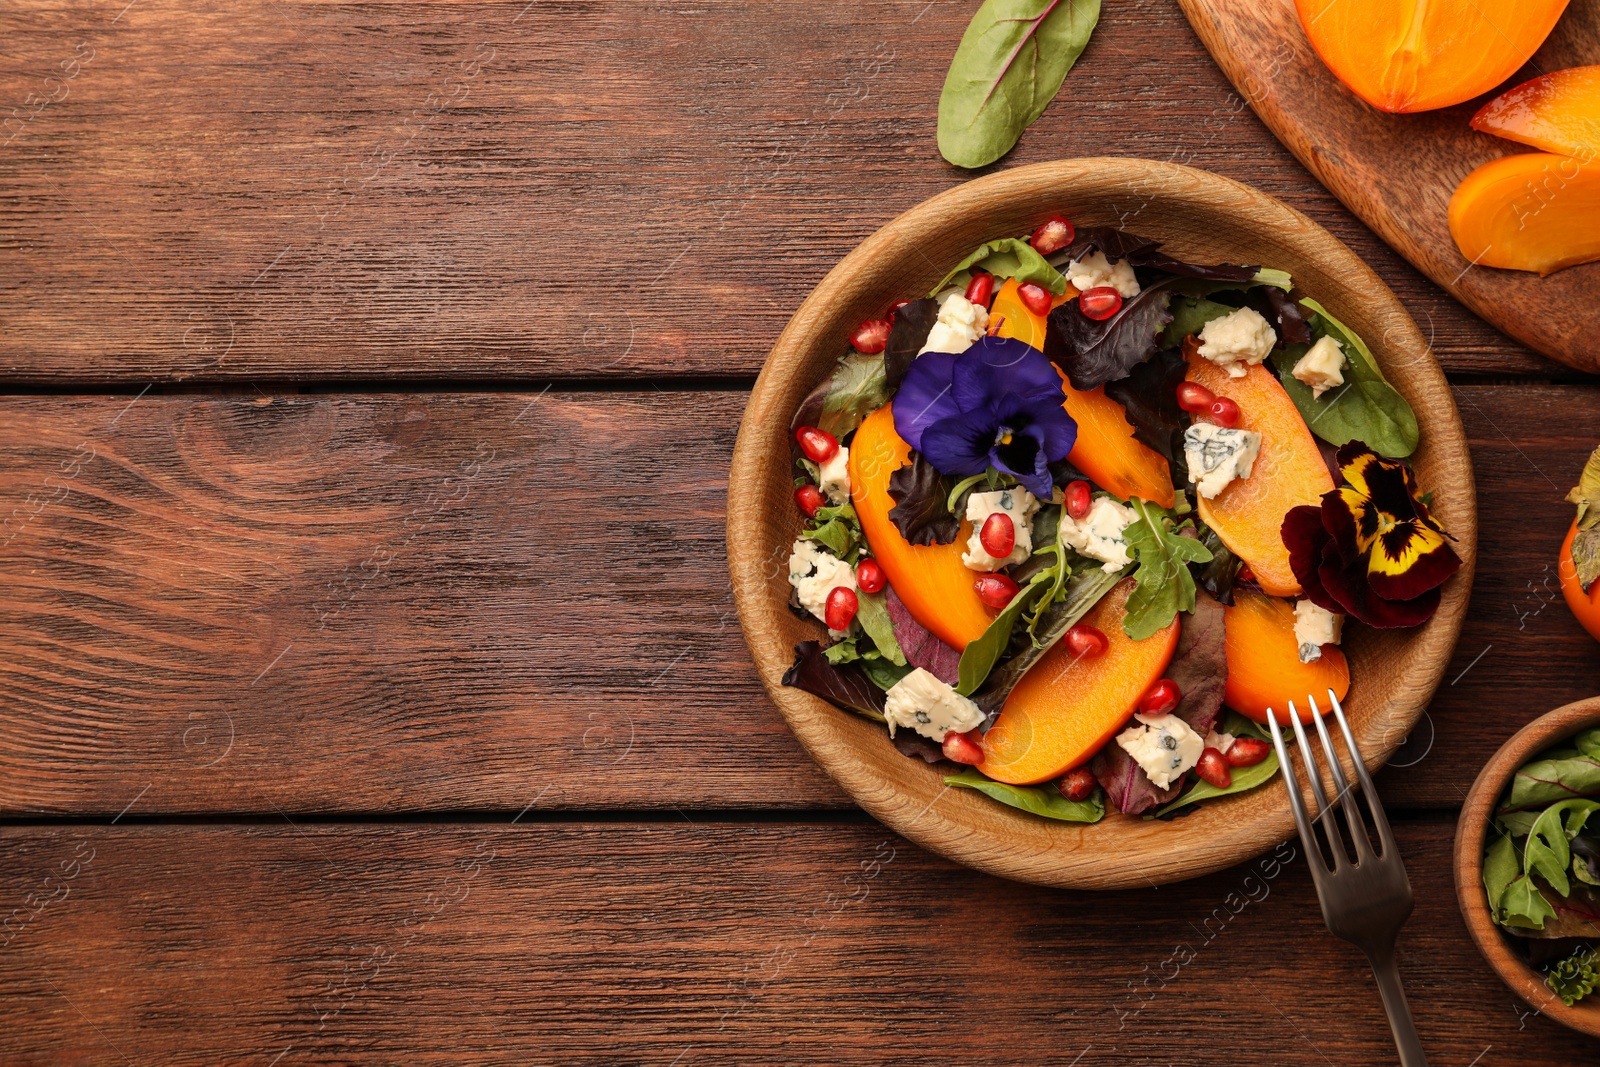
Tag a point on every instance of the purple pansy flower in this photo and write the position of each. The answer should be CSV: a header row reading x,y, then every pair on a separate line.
x,y
996,404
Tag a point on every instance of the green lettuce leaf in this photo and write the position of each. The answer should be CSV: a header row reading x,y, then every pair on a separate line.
x,y
1166,586
1009,66
1501,867
1523,906
873,615
1006,257
1366,408
1040,800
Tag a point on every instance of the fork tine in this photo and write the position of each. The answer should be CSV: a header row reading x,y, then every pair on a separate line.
x,y
1379,819
1352,814
1297,803
1324,809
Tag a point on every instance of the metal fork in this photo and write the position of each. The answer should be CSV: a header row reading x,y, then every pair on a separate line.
x,y
1365,901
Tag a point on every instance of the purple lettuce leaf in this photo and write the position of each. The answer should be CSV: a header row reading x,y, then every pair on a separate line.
x,y
1149,395
921,509
1093,353
847,685
1144,252
912,324
921,647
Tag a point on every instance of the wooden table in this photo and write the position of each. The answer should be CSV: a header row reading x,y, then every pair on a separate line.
x,y
372,691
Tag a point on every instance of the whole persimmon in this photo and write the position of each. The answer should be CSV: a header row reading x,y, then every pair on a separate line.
x,y
1578,566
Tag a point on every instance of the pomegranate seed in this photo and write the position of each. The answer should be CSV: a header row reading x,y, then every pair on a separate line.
x,y
870,576
1078,499
1056,234
1213,767
1160,698
1100,303
841,607
1247,751
1077,784
1086,642
999,535
1194,397
962,748
818,445
995,590
894,311
810,499
1035,298
980,290
871,336
1245,573
1224,412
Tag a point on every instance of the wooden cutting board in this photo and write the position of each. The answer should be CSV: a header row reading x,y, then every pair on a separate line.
x,y
1397,172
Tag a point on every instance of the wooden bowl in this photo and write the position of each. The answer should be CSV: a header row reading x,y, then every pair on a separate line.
x,y
1200,217
1524,981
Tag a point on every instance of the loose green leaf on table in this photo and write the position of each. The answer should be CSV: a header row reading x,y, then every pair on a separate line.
x,y
1007,257
1365,408
1165,586
1009,66
1040,800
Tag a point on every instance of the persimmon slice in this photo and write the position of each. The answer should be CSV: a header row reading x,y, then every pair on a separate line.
x,y
932,582
1535,211
1066,707
1558,112
1417,55
1264,668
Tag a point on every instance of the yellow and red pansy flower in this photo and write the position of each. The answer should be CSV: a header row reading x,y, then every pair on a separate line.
x,y
1372,549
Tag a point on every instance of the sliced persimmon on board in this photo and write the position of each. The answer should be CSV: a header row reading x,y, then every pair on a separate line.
x,y
1536,211
1264,668
1558,112
1106,449
931,580
1289,471
1417,55
1065,708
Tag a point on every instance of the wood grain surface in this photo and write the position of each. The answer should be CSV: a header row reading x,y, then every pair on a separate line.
x,y
1398,172
199,191
688,944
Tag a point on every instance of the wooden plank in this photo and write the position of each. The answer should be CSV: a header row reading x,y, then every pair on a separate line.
x,y
437,602
195,191
693,944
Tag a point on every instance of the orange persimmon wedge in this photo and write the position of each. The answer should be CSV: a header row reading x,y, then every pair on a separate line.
x,y
1586,606
1289,471
931,580
1535,211
1558,112
1065,709
1264,668
1417,55
1106,449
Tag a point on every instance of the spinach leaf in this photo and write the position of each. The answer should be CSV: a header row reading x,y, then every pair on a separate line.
x,y
1149,397
856,388
1165,585
1501,867
1007,257
1189,316
1083,591
921,509
1366,408
912,325
984,652
1009,66
1242,779
1548,780
1040,800
873,616
1093,353
1239,726
883,674
847,686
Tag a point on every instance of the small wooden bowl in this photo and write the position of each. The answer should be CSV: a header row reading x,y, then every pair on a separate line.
x,y
1202,218
1527,983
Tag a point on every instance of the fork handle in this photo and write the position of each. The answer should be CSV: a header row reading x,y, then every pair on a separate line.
x,y
1387,972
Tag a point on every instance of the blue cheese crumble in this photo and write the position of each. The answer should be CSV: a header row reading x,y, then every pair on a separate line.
x,y
1094,271
814,572
834,477
1164,745
1314,627
1237,340
960,324
1099,534
1217,455
1322,367
923,703
1020,505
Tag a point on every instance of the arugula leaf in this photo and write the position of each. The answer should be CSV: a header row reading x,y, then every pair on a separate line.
x,y
983,652
1366,408
1006,257
1547,852
1149,397
1093,353
846,686
1165,586
873,616
1009,66
921,510
1501,867
1241,779
845,650
1239,726
912,325
1040,800
1523,906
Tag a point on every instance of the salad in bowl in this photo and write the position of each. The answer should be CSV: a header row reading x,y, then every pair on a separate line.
x,y
1071,523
